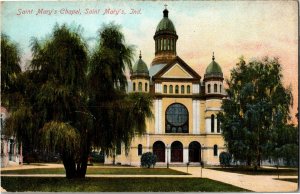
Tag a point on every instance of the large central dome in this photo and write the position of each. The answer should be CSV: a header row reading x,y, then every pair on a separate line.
x,y
165,24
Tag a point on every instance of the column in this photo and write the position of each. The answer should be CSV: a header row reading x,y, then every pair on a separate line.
x,y
198,117
185,155
160,116
156,116
194,117
207,125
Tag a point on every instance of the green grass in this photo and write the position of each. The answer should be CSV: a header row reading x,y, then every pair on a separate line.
x,y
97,170
260,171
57,184
293,180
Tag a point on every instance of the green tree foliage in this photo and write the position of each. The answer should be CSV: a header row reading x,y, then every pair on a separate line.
x,y
148,159
118,116
10,69
257,106
72,103
225,159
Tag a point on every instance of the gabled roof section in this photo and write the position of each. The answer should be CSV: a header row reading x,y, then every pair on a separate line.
x,y
177,69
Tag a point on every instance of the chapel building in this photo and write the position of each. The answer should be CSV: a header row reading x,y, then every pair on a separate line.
x,y
185,127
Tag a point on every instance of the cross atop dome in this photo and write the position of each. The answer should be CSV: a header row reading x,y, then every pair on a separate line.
x,y
166,11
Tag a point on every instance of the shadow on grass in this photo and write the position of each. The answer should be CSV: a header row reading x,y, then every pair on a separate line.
x,y
260,171
293,180
56,184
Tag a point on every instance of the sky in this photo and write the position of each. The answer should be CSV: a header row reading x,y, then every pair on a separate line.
x,y
230,29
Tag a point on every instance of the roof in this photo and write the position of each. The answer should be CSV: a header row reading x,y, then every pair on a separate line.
x,y
140,67
165,23
213,69
176,60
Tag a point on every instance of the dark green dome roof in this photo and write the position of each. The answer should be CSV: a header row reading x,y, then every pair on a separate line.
x,y
140,67
214,69
165,24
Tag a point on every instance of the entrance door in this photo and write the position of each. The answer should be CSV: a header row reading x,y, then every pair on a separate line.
x,y
176,152
194,152
159,151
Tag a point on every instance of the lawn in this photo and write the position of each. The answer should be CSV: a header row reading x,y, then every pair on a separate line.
x,y
57,184
260,171
100,170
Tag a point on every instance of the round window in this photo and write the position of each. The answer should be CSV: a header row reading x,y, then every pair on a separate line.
x,y
177,119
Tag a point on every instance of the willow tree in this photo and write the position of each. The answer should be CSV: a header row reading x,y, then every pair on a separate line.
x,y
118,116
258,105
77,104
10,70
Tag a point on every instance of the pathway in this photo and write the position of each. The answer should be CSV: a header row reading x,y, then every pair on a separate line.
x,y
257,183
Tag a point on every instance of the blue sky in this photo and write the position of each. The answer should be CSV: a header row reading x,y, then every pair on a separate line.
x,y
229,28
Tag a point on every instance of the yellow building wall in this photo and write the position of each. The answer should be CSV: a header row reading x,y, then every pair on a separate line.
x,y
207,141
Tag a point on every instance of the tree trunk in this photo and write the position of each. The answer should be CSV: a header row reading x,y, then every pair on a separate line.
x,y
76,169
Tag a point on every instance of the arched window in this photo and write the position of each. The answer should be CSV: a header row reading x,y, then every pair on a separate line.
x,y
176,89
146,87
208,88
165,89
133,86
177,119
182,89
140,149
171,44
215,88
165,44
171,89
188,89
140,86
220,88
215,150
218,125
212,123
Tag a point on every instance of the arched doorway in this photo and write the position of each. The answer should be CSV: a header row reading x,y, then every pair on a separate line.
x,y
176,152
194,152
159,151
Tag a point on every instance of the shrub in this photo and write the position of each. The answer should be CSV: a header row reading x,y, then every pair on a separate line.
x,y
225,159
148,159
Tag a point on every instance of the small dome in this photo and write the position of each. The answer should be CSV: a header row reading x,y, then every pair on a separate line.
x,y
165,24
213,69
140,67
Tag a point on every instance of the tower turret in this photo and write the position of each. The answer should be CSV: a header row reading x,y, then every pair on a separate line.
x,y
213,79
140,76
165,40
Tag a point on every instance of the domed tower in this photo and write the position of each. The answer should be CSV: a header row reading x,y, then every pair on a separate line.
x,y
165,40
140,76
213,79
